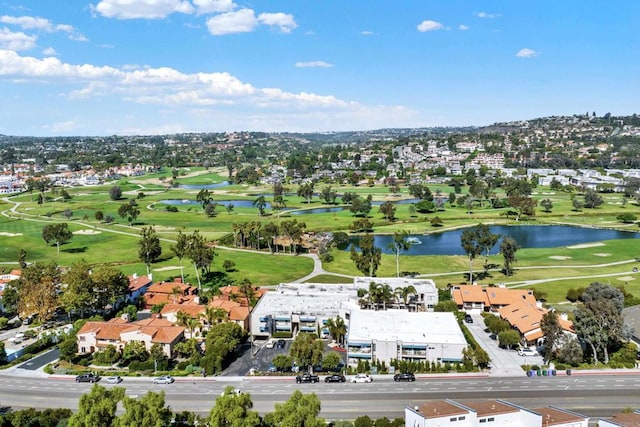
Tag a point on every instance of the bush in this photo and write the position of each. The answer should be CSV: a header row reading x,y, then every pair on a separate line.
x,y
147,365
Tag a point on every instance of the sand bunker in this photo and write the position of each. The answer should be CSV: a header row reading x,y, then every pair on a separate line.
x,y
626,278
585,245
560,257
170,267
87,231
3,233
602,254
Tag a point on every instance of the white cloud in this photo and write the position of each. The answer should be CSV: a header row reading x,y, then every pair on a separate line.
x,y
142,9
16,40
41,24
367,33
284,21
156,98
62,127
486,15
241,21
463,27
526,53
49,52
213,6
429,26
313,64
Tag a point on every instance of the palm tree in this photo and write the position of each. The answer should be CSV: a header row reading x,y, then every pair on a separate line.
x,y
182,318
248,291
192,324
214,315
337,329
404,292
399,244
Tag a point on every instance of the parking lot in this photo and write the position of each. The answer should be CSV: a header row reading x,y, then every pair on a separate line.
x,y
504,362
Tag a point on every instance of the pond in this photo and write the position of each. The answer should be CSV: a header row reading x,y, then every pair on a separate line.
x,y
203,186
225,203
527,236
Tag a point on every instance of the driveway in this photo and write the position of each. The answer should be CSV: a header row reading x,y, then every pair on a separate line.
x,y
504,362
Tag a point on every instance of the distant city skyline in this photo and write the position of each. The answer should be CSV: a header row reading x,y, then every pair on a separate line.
x,y
126,67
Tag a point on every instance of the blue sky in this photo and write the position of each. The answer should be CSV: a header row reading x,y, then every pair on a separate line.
x,y
105,67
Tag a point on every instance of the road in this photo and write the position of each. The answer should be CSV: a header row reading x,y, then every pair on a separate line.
x,y
591,395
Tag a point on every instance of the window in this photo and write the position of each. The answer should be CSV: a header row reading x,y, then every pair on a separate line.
x,y
462,418
81,338
483,420
491,419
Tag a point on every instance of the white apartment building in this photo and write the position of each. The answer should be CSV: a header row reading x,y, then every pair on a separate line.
x,y
492,413
394,330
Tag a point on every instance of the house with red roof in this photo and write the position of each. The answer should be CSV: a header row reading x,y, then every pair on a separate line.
x,y
96,336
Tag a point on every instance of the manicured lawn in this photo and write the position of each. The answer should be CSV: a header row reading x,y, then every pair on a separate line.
x,y
117,243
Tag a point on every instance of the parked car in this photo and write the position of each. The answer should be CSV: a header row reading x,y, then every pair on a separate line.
x,y
272,369
526,351
113,380
307,378
362,378
404,376
231,392
270,344
281,344
335,378
468,318
164,379
87,378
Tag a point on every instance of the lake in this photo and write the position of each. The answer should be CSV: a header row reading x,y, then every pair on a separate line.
x,y
527,236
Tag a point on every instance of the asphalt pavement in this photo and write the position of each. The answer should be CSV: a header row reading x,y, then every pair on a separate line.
x,y
504,363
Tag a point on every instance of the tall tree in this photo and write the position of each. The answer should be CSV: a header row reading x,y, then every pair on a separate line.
x,y
552,332
180,250
598,319
115,192
306,191
97,408
472,247
233,410
204,197
388,210
149,249
328,195
368,259
130,211
109,286
300,410
307,349
38,290
337,329
508,249
78,294
399,244
149,410
57,233
260,203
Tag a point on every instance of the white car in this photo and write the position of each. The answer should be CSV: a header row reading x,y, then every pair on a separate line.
x,y
527,352
113,380
270,344
165,379
362,378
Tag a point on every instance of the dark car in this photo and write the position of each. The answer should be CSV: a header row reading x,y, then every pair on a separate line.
x,y
87,378
468,318
405,376
281,344
335,378
307,378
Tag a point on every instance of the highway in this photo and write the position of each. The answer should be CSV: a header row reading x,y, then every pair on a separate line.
x,y
591,395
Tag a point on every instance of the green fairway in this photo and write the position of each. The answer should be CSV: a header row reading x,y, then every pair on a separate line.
x,y
116,243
